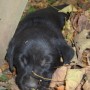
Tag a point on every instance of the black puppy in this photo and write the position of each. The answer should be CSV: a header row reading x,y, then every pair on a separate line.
x,y
36,48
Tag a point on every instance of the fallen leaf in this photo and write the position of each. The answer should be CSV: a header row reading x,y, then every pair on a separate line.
x,y
62,87
3,78
81,44
58,76
79,87
69,8
86,86
4,67
73,78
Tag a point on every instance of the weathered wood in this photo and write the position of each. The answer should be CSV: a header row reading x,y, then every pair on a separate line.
x,y
10,14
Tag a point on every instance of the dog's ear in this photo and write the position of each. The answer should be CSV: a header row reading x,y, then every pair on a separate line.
x,y
62,19
67,54
9,57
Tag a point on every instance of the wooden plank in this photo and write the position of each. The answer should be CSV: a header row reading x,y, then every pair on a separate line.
x,y
10,14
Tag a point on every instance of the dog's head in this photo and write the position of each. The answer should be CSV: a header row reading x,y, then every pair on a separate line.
x,y
35,65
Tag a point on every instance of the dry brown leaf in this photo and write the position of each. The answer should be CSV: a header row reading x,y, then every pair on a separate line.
x,y
13,86
81,43
70,8
4,67
82,22
73,78
58,76
88,73
86,86
62,87
79,87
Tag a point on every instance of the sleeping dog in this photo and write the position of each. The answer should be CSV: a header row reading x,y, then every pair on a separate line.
x,y
36,48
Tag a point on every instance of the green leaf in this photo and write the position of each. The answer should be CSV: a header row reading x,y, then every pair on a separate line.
x,y
31,9
3,78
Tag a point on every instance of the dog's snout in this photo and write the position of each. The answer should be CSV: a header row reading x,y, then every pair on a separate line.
x,y
31,83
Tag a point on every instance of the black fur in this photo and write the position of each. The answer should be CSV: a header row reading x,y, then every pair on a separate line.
x,y
37,45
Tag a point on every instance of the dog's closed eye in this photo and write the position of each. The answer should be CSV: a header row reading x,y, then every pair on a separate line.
x,y
45,62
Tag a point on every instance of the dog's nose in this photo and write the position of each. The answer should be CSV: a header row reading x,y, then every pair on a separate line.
x,y
32,83
31,86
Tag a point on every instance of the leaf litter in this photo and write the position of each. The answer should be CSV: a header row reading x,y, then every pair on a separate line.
x,y
77,33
